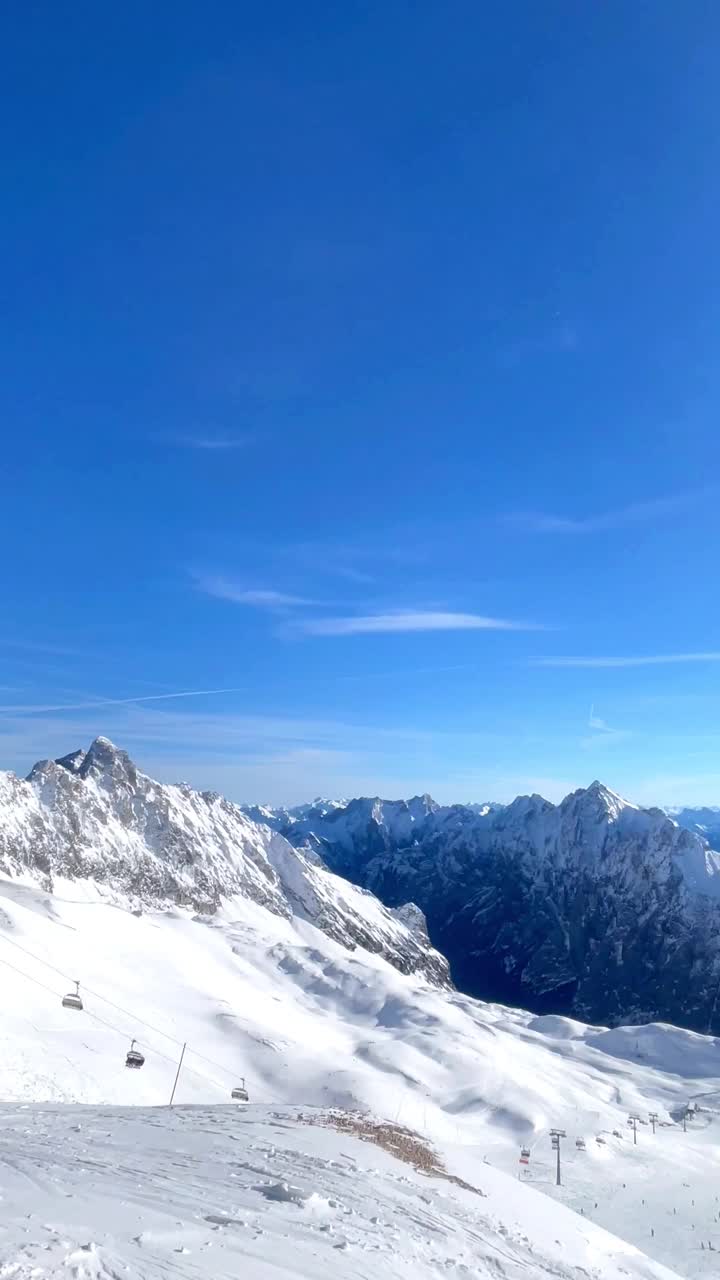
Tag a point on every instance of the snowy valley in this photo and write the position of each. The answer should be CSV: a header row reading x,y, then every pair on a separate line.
x,y
189,925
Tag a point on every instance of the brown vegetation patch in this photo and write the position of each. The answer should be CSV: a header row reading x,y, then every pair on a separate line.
x,y
398,1141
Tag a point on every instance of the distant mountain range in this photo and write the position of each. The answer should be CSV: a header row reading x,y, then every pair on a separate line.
x,y
593,907
704,822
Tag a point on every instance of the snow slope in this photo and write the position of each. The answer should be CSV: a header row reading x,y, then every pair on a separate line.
x,y
189,925
211,1192
310,1024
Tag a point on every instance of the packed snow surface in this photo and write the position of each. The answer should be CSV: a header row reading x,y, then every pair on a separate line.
x,y
100,1193
310,1024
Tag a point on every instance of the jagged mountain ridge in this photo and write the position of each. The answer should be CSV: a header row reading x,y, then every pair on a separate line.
x,y
92,815
593,907
704,821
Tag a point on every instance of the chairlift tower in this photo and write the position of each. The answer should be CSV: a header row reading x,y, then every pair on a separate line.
x,y
555,1138
688,1111
653,1118
634,1120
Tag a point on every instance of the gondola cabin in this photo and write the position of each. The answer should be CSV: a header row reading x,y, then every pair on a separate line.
x,y
240,1093
72,999
134,1059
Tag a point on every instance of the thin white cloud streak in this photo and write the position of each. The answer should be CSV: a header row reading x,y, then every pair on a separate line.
x,y
634,513
336,561
212,443
602,734
644,660
396,623
226,589
32,708
31,646
407,673
249,757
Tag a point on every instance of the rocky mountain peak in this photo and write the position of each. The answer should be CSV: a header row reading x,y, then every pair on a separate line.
x,y
74,761
93,815
102,761
598,797
605,795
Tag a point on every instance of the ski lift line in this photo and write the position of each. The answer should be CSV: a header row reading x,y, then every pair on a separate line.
x,y
45,987
90,991
108,1025
119,1008
37,981
100,1020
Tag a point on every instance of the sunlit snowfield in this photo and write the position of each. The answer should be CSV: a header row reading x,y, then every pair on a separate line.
x,y
309,1024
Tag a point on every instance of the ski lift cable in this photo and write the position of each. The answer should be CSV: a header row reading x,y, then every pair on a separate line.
x,y
90,991
37,981
108,1025
119,1008
96,1017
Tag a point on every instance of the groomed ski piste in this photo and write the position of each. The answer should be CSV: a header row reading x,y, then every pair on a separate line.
x,y
100,1178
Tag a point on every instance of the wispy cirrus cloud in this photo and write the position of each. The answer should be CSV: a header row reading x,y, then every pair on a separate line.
x,y
212,443
265,758
639,660
388,623
602,733
257,598
595,722
618,518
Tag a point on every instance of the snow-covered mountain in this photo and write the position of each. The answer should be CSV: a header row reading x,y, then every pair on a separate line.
x,y
593,907
156,900
704,821
311,1025
93,815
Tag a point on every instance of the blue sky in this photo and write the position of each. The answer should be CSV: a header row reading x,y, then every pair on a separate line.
x,y
360,362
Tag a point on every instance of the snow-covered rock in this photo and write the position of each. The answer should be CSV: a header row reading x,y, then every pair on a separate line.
x,y
594,906
93,815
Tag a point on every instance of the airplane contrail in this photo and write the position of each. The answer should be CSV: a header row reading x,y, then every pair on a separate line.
x,y
117,702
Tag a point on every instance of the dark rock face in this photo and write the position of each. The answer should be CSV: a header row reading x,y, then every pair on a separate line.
x,y
93,815
593,908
